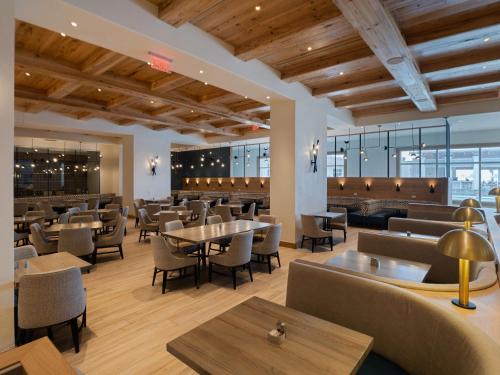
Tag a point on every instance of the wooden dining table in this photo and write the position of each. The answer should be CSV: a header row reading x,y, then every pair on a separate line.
x,y
325,215
56,228
49,263
181,213
380,265
235,342
24,220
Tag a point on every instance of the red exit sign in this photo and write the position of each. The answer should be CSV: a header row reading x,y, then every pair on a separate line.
x,y
160,62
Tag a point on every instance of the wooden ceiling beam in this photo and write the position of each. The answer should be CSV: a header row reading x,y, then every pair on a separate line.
x,y
47,42
80,105
178,12
62,89
379,30
120,101
217,97
124,86
170,82
101,61
479,82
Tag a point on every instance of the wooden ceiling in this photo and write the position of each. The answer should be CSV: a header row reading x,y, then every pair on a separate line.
x,y
58,73
370,56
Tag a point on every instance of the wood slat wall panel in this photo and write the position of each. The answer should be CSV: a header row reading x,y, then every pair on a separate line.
x,y
385,188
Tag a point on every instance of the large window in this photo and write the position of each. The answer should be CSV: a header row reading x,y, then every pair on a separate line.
x,y
251,160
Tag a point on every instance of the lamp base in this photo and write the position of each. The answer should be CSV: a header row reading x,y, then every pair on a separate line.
x,y
469,306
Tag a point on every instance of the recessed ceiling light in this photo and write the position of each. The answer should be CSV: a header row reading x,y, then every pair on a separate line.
x,y
341,73
395,60
192,111
268,97
27,74
484,66
74,24
63,34
309,48
152,101
257,8
487,39
206,83
149,63
99,89
246,97
201,71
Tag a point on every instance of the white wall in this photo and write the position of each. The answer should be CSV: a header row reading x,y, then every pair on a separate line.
x,y
6,190
110,169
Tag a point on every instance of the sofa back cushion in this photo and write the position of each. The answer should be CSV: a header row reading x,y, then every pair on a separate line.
x,y
430,211
408,330
444,269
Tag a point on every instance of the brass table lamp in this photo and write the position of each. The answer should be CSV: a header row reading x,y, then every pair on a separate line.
x,y
496,192
465,245
470,202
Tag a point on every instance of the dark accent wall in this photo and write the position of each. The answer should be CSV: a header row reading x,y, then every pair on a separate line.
x,y
188,158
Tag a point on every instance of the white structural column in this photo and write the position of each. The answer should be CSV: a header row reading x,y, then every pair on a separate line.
x,y
7,32
295,188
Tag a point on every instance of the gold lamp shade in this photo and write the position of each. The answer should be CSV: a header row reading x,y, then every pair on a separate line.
x,y
465,245
468,215
496,192
470,202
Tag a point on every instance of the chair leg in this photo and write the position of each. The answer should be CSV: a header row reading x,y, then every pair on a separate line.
x,y
164,284
136,222
250,271
330,239
313,240
269,264
196,277
84,318
140,235
302,243
209,272
121,250
94,256
154,277
345,235
74,334
278,256
22,336
233,271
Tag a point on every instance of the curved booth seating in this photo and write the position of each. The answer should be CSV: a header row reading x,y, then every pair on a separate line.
x,y
430,227
411,335
443,275
428,211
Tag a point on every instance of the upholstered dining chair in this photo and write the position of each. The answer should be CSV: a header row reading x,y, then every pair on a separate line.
x,y
21,238
152,209
270,246
77,241
249,215
238,255
311,230
112,220
125,210
183,247
224,212
138,203
270,219
165,217
339,223
93,203
223,242
146,225
236,211
211,210
46,207
200,220
93,213
20,209
37,213
197,207
117,199
73,210
51,298
81,219
64,218
111,240
24,252
166,260
178,208
42,244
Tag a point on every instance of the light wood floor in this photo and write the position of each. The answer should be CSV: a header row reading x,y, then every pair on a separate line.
x,y
130,322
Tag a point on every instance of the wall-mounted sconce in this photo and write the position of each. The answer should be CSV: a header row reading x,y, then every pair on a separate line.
x,y
367,187
208,182
247,182
153,164
398,188
219,181
187,181
314,158
197,182
232,183
261,183
341,186
431,189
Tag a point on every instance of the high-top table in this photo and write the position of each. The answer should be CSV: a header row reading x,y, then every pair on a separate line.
x,y
235,342
380,265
